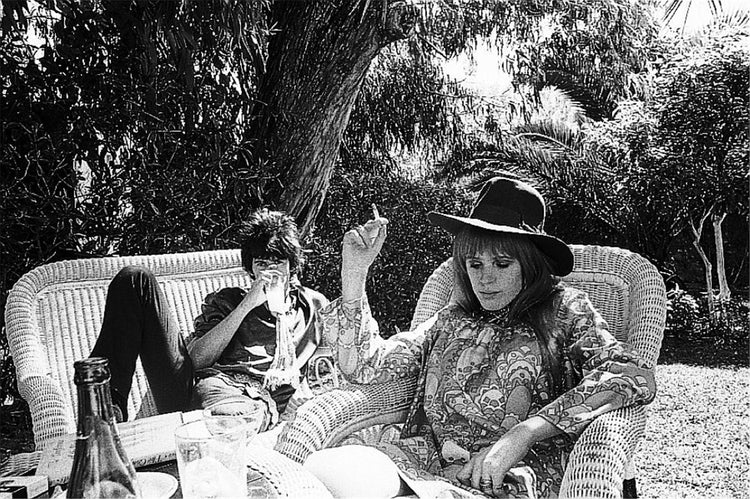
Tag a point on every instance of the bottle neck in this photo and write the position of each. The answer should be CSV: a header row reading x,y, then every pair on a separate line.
x,y
94,405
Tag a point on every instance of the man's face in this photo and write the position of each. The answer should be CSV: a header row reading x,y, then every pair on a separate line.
x,y
273,266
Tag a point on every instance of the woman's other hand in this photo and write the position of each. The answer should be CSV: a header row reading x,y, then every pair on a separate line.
x,y
360,247
486,470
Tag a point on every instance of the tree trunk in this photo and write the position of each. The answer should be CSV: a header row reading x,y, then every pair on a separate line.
x,y
317,64
697,232
721,273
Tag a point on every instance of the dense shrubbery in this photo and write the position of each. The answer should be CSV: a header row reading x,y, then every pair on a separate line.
x,y
682,311
687,316
731,329
689,326
107,150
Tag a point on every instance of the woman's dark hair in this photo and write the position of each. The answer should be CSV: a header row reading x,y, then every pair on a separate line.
x,y
270,234
533,303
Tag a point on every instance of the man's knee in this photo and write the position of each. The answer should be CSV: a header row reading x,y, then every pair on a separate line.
x,y
210,390
132,276
213,390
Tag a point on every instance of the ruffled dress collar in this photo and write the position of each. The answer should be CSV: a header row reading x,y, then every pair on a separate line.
x,y
499,317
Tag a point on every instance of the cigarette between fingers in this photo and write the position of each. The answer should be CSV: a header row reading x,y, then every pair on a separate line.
x,y
375,213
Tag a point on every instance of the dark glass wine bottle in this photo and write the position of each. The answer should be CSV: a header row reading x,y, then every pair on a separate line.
x,y
100,466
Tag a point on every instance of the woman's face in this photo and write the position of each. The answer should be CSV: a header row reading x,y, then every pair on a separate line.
x,y
495,278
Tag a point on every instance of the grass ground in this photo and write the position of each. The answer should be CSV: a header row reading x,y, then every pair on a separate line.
x,y
697,442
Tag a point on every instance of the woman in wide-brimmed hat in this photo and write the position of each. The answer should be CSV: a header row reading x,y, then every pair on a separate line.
x,y
511,371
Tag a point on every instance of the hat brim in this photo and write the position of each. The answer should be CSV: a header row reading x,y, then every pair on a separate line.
x,y
556,249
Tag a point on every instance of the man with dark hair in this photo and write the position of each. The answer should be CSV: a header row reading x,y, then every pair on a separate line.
x,y
249,345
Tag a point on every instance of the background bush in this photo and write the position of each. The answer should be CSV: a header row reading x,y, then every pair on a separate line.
x,y
683,311
688,318
692,338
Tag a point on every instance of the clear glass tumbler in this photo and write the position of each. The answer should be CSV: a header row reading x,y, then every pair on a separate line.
x,y
276,296
211,458
251,411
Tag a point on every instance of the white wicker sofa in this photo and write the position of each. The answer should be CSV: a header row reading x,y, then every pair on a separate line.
x,y
53,315
625,288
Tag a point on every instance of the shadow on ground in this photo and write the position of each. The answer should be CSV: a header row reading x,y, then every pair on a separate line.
x,y
708,351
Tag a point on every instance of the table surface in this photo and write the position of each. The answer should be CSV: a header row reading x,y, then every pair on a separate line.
x,y
258,486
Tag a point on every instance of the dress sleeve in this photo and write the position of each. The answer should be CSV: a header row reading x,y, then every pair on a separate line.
x,y
613,373
361,354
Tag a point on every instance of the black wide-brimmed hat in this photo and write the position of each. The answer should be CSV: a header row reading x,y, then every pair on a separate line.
x,y
510,206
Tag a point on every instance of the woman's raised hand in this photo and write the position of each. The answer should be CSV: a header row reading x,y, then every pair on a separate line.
x,y
362,244
360,247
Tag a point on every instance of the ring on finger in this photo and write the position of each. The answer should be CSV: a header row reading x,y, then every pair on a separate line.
x,y
485,483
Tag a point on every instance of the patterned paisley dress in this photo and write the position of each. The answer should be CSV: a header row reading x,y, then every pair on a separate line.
x,y
480,375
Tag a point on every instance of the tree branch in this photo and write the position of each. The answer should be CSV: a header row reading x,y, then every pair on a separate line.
x,y
697,233
400,21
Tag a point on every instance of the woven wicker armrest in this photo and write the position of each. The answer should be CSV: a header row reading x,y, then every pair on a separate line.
x,y
327,418
286,477
596,467
50,416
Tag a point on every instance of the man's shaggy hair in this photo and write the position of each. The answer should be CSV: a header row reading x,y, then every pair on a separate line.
x,y
270,234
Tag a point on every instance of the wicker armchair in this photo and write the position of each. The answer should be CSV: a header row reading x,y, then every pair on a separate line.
x,y
626,289
53,315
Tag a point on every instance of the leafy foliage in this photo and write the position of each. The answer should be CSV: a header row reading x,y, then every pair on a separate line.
x,y
702,109
111,141
407,104
588,49
682,311
636,180
592,51
689,321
